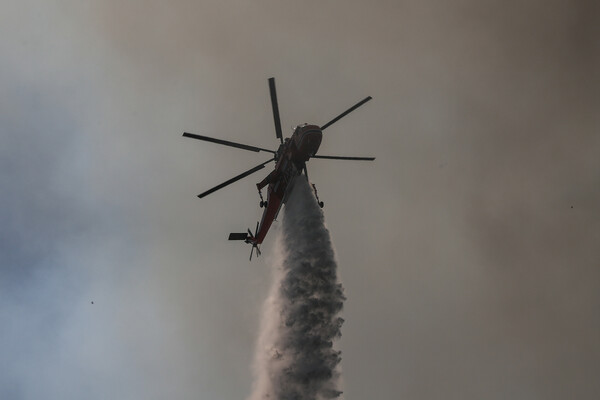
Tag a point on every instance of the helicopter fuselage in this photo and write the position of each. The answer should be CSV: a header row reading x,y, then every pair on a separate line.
x,y
291,157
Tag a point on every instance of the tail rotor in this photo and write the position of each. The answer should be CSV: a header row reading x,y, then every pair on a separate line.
x,y
248,237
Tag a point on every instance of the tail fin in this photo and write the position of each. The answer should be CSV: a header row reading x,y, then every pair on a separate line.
x,y
238,236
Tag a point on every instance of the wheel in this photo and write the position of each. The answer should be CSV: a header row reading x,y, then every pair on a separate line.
x,y
266,204
321,204
262,204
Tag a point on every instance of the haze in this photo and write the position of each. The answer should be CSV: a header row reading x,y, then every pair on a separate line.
x,y
468,249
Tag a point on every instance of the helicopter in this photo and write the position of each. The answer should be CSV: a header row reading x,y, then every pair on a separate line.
x,y
290,162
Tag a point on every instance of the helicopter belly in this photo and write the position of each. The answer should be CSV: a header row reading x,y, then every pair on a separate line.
x,y
273,205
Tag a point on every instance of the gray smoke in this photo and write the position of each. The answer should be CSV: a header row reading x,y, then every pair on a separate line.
x,y
296,358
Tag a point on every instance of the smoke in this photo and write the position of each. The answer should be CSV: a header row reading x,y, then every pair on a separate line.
x,y
295,356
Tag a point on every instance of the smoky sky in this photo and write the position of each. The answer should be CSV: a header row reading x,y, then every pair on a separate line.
x,y
468,248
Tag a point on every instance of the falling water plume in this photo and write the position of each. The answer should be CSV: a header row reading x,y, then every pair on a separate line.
x,y
296,359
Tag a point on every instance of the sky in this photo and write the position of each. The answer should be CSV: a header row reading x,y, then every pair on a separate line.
x,y
468,249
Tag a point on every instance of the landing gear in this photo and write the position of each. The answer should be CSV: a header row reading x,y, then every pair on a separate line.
x,y
262,203
319,202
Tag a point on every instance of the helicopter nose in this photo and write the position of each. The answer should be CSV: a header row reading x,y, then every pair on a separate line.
x,y
311,142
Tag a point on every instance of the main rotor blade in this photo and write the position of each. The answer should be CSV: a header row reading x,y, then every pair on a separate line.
x,y
227,143
275,106
348,111
234,179
345,158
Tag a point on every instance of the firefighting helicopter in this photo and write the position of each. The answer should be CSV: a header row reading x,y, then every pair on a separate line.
x,y
290,162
